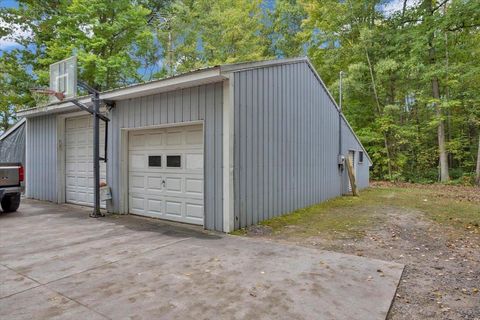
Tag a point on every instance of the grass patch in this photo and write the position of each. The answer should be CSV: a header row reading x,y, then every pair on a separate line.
x,y
342,216
436,205
352,216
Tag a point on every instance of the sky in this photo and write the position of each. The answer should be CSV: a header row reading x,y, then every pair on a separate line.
x,y
397,5
7,44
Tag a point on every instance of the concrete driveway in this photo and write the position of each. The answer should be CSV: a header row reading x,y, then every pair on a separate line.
x,y
56,263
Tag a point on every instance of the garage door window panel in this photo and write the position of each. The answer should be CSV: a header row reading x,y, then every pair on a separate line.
x,y
174,161
155,161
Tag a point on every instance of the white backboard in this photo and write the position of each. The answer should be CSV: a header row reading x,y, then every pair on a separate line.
x,y
63,77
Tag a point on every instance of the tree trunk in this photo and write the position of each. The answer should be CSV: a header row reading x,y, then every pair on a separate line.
x,y
442,150
477,178
444,177
379,111
4,123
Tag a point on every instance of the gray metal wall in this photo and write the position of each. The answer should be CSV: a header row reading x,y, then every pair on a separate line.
x,y
286,143
41,158
12,147
198,103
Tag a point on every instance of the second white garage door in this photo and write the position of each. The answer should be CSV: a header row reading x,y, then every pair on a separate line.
x,y
166,173
79,160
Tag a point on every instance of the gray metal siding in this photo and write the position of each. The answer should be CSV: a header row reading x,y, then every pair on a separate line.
x,y
286,143
198,103
41,158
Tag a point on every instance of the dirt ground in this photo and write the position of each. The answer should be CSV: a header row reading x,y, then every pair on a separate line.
x,y
433,230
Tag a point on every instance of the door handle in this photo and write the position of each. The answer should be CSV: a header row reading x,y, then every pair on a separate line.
x,y
163,183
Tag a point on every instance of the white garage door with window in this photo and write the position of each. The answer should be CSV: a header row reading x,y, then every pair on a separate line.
x,y
166,173
79,160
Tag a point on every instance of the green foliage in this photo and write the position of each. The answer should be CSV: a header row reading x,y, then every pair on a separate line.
x,y
283,26
389,70
14,80
108,37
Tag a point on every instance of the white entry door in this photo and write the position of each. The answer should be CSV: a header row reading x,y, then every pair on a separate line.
x,y
79,160
166,173
351,157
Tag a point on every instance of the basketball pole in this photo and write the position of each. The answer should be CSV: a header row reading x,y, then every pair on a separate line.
x,y
96,147
96,154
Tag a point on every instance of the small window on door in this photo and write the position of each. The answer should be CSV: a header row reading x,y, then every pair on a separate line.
x,y
154,161
174,161
360,156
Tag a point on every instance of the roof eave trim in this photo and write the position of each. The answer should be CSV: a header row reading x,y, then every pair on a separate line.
x,y
236,67
182,81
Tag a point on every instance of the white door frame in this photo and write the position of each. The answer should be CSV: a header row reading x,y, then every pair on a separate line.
x,y
353,162
61,174
124,143
354,167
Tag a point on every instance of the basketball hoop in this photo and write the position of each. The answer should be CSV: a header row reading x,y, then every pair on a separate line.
x,y
62,85
42,96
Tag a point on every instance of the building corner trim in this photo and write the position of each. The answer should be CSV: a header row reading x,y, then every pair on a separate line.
x,y
228,165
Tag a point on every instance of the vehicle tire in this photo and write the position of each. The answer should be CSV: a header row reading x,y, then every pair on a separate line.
x,y
10,203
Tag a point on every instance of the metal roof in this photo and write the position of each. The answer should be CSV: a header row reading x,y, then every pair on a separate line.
x,y
184,80
12,129
219,70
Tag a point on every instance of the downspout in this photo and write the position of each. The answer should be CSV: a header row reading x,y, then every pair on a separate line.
x,y
341,158
340,116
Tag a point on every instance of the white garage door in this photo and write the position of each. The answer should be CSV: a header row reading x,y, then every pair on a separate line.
x,y
166,173
79,160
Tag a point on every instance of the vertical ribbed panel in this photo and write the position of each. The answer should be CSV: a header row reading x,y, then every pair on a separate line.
x,y
41,158
286,143
198,103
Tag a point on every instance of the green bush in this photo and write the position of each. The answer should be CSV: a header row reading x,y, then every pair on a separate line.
x,y
466,179
427,177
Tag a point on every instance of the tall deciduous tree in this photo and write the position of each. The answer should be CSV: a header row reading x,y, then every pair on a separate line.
x,y
14,79
110,38
408,91
283,25
429,19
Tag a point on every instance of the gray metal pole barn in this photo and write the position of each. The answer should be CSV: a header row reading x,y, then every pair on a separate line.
x,y
270,139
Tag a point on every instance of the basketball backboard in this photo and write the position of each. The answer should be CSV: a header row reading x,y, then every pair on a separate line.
x,y
63,78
